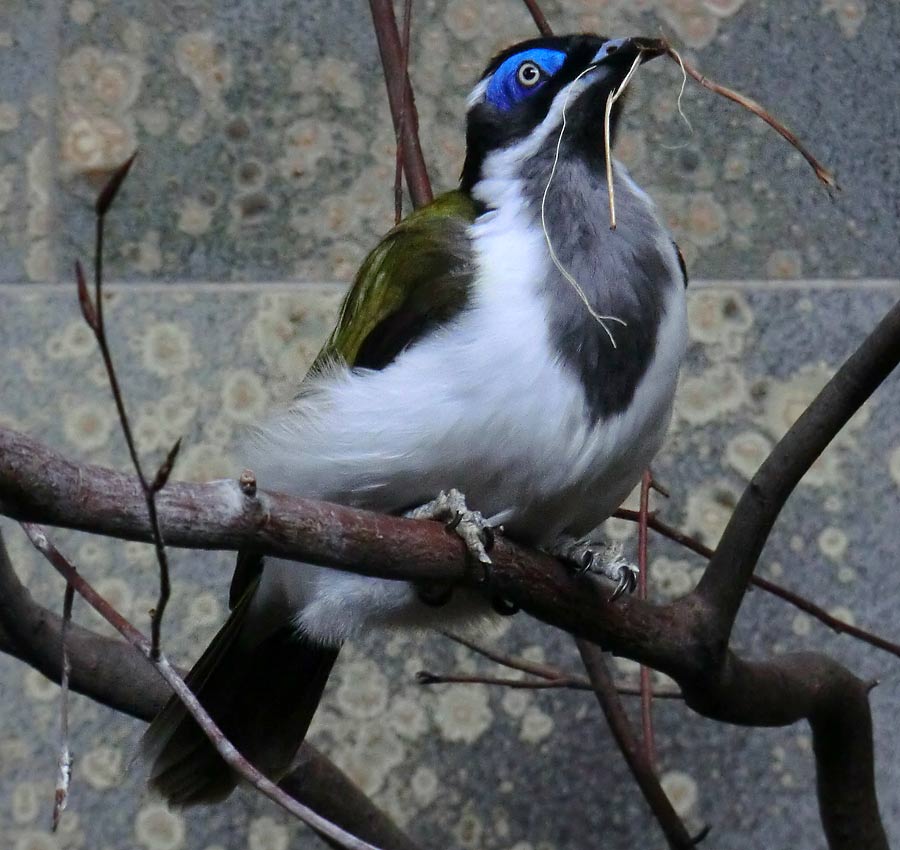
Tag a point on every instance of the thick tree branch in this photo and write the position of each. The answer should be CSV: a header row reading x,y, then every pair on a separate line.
x,y
39,485
810,686
110,672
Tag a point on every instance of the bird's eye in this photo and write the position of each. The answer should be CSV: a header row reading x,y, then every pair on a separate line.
x,y
529,74
519,76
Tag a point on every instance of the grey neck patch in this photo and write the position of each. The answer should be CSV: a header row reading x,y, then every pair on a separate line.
x,y
624,273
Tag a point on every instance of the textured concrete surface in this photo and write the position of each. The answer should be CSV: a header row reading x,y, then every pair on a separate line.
x,y
266,165
245,112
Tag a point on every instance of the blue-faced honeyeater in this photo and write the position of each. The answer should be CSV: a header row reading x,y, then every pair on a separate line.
x,y
504,342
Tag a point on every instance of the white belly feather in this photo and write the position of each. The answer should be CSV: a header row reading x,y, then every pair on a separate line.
x,y
483,405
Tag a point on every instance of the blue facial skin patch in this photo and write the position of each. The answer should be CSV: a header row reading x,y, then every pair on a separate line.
x,y
505,91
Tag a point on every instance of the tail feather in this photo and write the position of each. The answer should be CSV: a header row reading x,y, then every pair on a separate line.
x,y
262,695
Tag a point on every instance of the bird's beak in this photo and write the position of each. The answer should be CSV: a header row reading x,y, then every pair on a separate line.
x,y
623,51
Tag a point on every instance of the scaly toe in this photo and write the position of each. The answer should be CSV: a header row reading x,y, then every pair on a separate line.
x,y
471,526
604,559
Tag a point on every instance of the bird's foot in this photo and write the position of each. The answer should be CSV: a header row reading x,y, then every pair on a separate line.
x,y
605,559
450,506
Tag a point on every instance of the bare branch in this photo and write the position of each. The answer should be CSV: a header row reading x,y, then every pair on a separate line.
x,y
38,484
810,686
223,747
563,682
533,668
686,639
110,672
824,175
538,17
402,101
64,762
94,317
326,789
35,482
401,118
636,757
426,677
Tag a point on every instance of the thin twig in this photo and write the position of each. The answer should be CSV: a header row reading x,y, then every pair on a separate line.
x,y
806,605
553,675
224,748
401,118
64,762
401,100
93,316
533,668
661,489
640,766
108,671
824,175
563,682
539,18
643,561
426,677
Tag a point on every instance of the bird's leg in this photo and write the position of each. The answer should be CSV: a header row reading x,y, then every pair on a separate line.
x,y
606,559
471,526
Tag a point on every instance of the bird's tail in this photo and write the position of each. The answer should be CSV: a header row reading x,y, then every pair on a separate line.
x,y
262,694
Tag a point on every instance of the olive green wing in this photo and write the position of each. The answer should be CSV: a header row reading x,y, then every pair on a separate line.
x,y
417,278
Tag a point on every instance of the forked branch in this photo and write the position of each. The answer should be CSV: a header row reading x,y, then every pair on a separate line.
x,y
110,672
224,747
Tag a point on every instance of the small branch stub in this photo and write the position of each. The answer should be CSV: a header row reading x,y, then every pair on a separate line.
x,y
247,483
165,470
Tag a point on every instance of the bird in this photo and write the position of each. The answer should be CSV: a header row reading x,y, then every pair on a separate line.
x,y
504,358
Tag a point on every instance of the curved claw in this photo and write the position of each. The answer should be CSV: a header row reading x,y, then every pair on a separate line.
x,y
485,572
471,526
627,582
587,561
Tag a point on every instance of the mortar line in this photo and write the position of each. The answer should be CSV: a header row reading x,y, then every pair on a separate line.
x,y
154,286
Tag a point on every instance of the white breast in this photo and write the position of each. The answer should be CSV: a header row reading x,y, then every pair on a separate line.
x,y
484,405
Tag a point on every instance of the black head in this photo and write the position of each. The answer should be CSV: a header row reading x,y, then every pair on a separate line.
x,y
518,103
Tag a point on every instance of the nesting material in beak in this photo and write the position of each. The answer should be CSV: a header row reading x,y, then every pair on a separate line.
x,y
613,96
